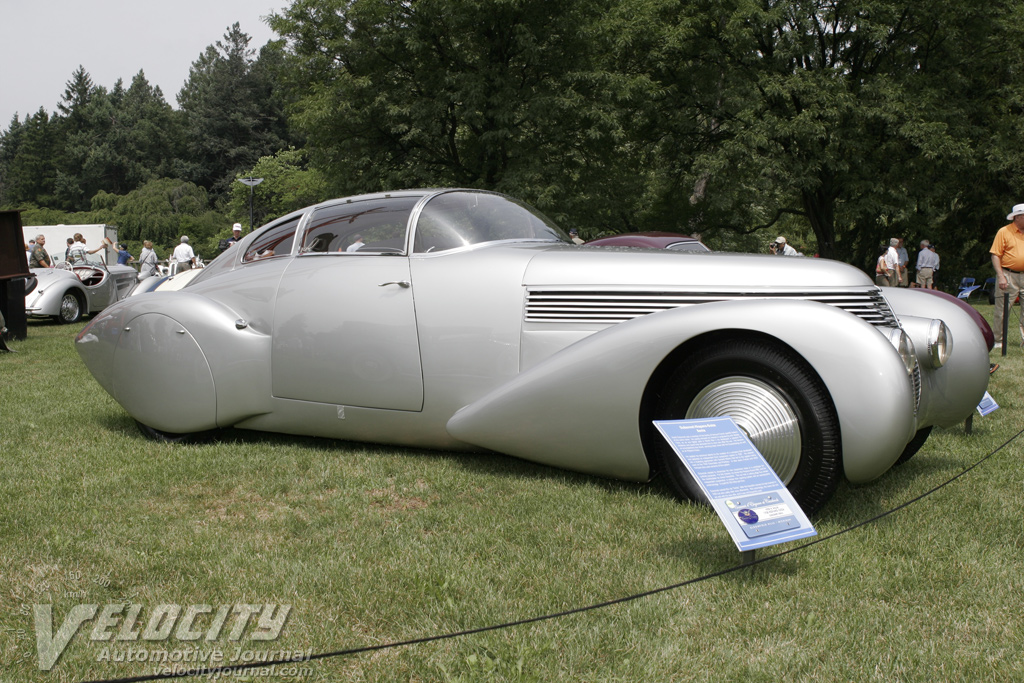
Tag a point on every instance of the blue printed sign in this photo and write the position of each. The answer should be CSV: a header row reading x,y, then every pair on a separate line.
x,y
752,502
987,405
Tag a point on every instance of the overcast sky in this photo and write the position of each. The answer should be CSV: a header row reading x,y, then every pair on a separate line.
x,y
42,42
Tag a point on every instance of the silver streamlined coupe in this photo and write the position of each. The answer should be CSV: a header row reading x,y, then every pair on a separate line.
x,y
465,320
70,291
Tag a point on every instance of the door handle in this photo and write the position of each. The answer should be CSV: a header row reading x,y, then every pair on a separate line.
x,y
404,284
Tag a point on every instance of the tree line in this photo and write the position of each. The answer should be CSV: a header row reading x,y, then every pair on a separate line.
x,y
838,123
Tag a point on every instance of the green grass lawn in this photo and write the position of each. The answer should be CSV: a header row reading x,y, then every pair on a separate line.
x,y
372,544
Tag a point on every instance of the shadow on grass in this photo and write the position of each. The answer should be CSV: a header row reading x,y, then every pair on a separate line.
x,y
485,463
850,505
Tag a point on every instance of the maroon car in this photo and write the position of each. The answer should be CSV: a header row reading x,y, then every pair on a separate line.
x,y
651,240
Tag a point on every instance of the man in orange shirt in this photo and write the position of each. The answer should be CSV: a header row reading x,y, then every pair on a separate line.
x,y
1008,261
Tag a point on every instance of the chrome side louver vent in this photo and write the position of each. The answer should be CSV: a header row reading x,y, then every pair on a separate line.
x,y
563,305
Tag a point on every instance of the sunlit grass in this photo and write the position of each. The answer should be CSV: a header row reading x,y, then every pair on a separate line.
x,y
373,544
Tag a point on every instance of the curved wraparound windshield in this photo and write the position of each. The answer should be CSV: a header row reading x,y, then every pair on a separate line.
x,y
459,219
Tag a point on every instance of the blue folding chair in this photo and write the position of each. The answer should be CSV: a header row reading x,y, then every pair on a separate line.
x,y
967,287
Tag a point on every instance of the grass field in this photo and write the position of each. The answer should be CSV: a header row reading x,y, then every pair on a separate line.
x,y
371,545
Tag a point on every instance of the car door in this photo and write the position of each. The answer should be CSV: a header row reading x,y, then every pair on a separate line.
x,y
345,322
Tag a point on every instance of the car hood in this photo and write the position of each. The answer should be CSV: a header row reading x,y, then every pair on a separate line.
x,y
48,276
694,271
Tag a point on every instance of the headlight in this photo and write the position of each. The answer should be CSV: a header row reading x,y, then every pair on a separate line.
x,y
905,347
940,343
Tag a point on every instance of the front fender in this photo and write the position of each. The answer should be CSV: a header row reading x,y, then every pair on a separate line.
x,y
598,384
951,393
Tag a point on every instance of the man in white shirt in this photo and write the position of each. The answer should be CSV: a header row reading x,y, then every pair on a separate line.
x,y
927,262
357,244
892,260
184,257
782,248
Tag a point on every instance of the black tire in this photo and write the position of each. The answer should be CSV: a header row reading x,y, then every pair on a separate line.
x,y
914,446
70,309
170,437
774,396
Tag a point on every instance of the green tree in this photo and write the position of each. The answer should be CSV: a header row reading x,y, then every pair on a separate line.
x,y
162,210
505,95
863,119
28,154
288,185
144,138
234,114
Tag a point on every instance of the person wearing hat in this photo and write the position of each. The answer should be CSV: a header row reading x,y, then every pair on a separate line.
x,y
574,235
123,257
184,257
927,262
236,233
782,248
1008,261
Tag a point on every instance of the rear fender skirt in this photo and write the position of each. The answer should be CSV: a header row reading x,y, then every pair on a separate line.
x,y
225,362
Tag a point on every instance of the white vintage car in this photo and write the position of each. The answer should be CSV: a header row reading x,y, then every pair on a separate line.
x,y
465,320
69,291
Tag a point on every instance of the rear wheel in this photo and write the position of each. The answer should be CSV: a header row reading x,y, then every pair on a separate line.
x,y
70,309
171,437
774,397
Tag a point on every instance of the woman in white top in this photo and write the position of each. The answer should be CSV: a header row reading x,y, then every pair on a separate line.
x,y
147,260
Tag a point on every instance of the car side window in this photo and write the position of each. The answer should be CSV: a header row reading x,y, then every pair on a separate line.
x,y
372,226
274,241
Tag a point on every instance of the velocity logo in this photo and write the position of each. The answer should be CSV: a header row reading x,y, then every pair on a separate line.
x,y
120,622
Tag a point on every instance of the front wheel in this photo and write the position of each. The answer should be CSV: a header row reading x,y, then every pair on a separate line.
x,y
774,397
70,309
914,446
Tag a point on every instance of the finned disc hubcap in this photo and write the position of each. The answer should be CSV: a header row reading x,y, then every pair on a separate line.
x,y
763,414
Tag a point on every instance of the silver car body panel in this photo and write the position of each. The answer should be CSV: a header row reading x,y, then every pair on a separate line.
x,y
961,380
531,346
874,401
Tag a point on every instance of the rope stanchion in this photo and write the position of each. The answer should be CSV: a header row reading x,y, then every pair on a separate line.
x,y
1006,321
746,564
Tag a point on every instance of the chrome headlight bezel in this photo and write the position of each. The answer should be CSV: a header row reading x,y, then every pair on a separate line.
x,y
905,347
940,343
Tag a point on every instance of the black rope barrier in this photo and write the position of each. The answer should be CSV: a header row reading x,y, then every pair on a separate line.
x,y
211,671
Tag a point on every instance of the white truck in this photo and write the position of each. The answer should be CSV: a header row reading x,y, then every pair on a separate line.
x,y
57,236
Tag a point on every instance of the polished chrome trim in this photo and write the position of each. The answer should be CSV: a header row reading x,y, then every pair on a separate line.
x,y
610,306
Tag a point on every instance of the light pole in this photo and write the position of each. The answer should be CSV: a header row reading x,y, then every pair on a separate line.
x,y
251,182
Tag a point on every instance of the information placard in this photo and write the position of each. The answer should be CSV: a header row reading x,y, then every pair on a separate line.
x,y
988,405
752,502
